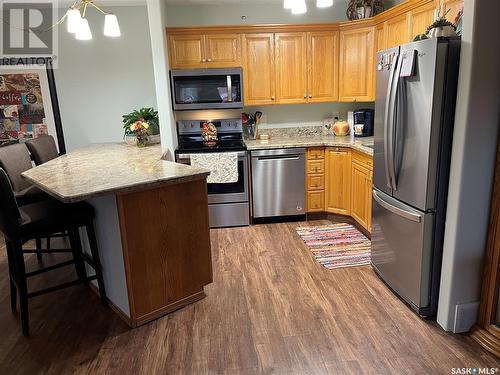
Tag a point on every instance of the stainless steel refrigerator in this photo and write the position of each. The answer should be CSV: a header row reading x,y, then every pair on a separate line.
x,y
414,116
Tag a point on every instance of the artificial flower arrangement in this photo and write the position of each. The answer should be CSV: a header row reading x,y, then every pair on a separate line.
x,y
141,124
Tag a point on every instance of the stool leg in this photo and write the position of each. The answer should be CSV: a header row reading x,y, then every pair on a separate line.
x,y
48,243
98,269
76,249
38,242
13,288
17,250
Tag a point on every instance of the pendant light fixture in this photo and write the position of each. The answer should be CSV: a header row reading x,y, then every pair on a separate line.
x,y
299,7
324,3
79,25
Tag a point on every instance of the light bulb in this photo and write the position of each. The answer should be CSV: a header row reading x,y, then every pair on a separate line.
x,y
83,32
74,19
288,4
324,3
299,7
111,27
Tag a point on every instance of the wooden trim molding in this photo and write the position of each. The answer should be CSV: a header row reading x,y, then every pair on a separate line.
x,y
399,9
486,332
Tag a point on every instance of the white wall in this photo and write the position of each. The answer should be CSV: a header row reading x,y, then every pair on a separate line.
x,y
100,80
474,148
157,22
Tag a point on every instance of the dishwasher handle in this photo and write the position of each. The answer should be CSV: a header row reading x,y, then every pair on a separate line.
x,y
279,152
278,157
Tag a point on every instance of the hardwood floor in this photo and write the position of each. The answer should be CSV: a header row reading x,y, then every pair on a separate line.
x,y
272,309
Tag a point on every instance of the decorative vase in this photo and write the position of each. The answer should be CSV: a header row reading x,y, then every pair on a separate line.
x,y
341,128
142,140
442,31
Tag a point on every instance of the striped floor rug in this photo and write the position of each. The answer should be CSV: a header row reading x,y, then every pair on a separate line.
x,y
337,245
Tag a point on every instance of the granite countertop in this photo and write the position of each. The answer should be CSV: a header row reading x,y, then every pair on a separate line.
x,y
110,168
312,141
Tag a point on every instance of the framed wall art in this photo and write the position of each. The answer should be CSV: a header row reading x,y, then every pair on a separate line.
x,y
29,106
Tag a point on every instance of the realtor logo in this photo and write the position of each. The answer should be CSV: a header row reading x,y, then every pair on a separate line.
x,y
28,28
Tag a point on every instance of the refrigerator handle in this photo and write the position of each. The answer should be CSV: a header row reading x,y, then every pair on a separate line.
x,y
392,126
401,109
386,122
396,210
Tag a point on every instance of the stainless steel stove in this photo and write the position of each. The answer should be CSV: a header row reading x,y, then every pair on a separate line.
x,y
228,204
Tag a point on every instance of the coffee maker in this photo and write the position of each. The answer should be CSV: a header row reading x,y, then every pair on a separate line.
x,y
363,122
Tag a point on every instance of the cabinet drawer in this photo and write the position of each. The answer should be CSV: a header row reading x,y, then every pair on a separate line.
x,y
315,166
316,153
362,159
315,201
315,182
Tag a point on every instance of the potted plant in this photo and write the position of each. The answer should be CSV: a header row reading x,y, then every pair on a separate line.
x,y
141,127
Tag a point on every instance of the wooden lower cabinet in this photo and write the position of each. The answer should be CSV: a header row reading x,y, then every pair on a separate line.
x,y
361,194
315,179
316,201
338,180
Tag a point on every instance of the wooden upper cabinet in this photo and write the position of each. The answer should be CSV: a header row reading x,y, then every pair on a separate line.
x,y
380,38
397,31
205,51
323,52
420,19
356,67
223,50
186,51
338,180
291,68
258,69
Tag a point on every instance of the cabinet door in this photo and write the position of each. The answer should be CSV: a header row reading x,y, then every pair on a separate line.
x,y
370,201
421,18
380,37
360,194
397,31
187,51
223,50
315,201
258,66
291,68
338,180
323,53
356,66
454,7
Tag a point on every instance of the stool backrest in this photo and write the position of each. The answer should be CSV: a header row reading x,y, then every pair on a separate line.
x,y
10,216
43,149
14,160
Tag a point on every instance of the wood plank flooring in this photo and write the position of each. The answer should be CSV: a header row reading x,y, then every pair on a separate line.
x,y
272,309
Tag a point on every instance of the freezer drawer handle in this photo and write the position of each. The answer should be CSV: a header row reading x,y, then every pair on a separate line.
x,y
398,211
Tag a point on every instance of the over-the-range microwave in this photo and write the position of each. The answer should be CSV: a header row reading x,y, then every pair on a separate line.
x,y
206,88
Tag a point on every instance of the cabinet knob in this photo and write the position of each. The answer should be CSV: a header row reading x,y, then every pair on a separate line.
x,y
204,60
209,60
310,96
272,97
305,96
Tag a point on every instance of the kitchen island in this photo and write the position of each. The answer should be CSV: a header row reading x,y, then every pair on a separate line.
x,y
151,224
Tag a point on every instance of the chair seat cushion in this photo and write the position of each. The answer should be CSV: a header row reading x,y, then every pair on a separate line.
x,y
45,218
30,195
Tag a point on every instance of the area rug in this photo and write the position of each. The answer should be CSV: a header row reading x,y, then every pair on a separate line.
x,y
337,245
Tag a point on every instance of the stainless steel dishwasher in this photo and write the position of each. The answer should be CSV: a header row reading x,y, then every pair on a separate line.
x,y
278,182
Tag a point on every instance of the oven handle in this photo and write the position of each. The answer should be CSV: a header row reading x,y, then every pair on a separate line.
x,y
188,156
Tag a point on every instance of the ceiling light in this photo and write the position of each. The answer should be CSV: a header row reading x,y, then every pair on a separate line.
x,y
288,4
324,3
111,27
74,19
299,7
83,32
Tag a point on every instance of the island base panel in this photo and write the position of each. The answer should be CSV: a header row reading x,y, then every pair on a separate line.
x,y
166,248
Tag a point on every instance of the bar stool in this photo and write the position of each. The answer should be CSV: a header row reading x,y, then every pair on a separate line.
x,y
22,224
42,149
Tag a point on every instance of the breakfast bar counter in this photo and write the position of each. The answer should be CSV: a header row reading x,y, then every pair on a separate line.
x,y
151,224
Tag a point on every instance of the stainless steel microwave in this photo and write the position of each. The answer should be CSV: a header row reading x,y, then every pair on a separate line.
x,y
206,88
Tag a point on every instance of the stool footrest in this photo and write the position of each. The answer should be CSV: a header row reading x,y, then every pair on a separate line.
x,y
50,268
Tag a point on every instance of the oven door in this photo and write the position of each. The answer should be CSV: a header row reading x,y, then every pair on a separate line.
x,y
207,88
227,193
